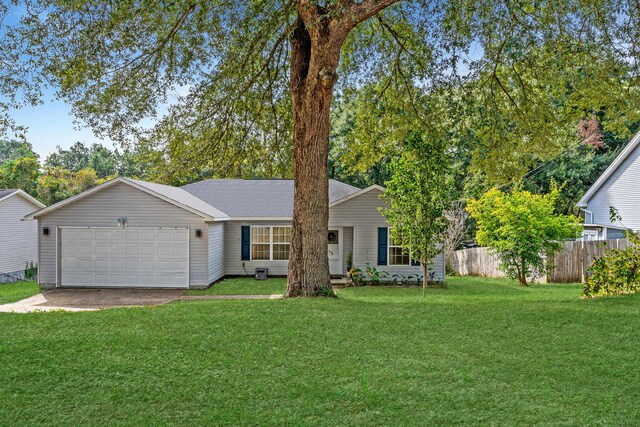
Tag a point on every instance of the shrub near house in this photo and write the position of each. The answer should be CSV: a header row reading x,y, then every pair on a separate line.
x,y
617,272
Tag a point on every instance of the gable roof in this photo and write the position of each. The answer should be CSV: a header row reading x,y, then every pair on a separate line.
x,y
631,146
173,195
356,194
6,193
257,198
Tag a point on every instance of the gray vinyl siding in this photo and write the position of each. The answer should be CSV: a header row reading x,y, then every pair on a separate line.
x,y
347,245
216,251
18,239
103,208
362,213
233,247
621,190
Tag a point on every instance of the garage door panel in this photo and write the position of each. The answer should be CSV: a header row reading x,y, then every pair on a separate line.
x,y
116,264
69,262
133,251
124,257
148,264
164,250
118,250
148,251
86,264
164,265
101,250
69,250
178,252
165,237
179,278
101,235
132,264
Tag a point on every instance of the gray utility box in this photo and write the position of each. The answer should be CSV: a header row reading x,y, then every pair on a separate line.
x,y
262,273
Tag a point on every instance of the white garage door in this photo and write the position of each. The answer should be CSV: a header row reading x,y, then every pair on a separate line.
x,y
129,257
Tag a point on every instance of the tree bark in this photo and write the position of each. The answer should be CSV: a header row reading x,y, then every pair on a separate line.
x,y
523,274
314,60
425,273
316,42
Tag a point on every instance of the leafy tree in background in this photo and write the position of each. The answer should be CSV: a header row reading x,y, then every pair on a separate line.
x,y
417,196
577,169
12,150
19,166
77,157
57,183
522,229
21,173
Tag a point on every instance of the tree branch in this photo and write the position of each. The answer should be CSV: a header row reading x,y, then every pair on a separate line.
x,y
358,12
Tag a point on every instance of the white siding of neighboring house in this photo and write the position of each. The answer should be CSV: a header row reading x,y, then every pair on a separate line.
x,y
362,213
103,208
233,251
216,251
621,190
18,239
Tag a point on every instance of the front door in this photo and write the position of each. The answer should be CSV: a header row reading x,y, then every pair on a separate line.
x,y
335,251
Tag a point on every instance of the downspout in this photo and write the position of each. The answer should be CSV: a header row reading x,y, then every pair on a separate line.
x,y
585,215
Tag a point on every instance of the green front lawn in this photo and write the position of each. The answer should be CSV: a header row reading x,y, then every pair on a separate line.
x,y
480,352
245,286
12,292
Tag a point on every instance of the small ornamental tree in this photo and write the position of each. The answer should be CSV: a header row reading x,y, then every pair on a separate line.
x,y
521,229
416,196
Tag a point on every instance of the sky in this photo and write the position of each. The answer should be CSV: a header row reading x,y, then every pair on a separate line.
x,y
52,124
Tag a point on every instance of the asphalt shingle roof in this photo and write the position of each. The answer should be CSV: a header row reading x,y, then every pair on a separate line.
x,y
5,192
257,197
181,196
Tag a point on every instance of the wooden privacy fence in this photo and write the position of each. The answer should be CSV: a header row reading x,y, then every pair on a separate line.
x,y
570,265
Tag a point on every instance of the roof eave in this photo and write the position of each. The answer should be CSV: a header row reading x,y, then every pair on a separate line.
x,y
44,211
26,196
356,194
609,171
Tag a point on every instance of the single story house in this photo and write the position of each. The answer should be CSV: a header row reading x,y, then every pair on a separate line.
x,y
618,187
132,233
18,239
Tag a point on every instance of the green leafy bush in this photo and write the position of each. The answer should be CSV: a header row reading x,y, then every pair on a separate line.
x,y
30,270
617,272
522,229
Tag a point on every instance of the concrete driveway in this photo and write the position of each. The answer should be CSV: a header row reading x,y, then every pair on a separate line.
x,y
91,299
109,298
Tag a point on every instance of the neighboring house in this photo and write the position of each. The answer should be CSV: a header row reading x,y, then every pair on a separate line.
x,y
18,238
618,187
131,233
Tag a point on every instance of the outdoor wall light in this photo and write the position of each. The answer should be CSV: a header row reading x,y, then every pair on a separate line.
x,y
45,231
122,222
198,232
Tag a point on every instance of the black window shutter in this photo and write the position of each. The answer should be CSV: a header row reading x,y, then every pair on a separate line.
x,y
414,262
383,237
246,243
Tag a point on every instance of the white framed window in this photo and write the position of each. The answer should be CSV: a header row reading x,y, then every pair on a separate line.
x,y
270,243
396,255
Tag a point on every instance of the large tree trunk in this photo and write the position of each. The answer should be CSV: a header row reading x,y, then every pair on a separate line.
x,y
316,42
314,61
